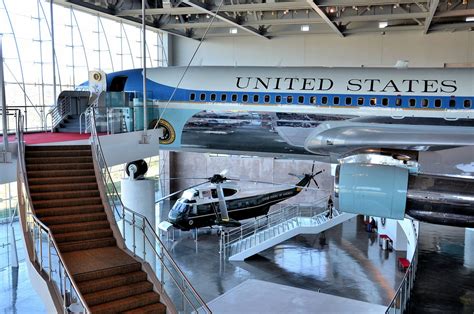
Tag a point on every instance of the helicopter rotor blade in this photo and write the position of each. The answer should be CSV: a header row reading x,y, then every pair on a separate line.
x,y
314,180
312,168
320,171
224,172
177,192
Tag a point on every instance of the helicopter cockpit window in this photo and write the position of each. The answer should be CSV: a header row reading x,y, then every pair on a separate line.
x,y
189,194
180,207
229,192
214,193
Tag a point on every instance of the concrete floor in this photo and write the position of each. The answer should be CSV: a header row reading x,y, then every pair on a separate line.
x,y
349,264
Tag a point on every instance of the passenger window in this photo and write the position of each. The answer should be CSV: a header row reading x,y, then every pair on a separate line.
x,y
245,98
373,101
234,97
467,103
348,100
324,100
412,102
223,97
203,97
385,102
335,100
452,103
192,96
213,97
300,99
267,98
255,98
438,103
312,100
278,99
398,102
424,103
360,101
289,99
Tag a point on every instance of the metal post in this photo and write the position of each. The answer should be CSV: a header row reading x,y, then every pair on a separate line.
x,y
53,52
3,100
145,114
144,239
133,233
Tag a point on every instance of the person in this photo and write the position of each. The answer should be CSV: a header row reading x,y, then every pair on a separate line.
x,y
330,207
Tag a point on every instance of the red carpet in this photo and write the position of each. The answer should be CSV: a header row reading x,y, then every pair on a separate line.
x,y
42,138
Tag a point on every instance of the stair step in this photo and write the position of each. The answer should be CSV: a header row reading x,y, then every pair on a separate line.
x,y
86,245
71,210
155,308
65,219
110,282
58,160
60,173
58,153
117,293
126,304
83,235
43,196
60,181
57,147
67,202
80,226
55,167
79,186
103,273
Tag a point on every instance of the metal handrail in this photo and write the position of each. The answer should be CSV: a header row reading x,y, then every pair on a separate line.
x,y
402,296
86,113
229,237
32,224
59,112
122,213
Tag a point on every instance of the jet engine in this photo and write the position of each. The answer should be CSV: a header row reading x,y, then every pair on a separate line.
x,y
394,190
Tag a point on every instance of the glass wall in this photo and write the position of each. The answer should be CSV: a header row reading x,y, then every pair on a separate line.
x,y
83,42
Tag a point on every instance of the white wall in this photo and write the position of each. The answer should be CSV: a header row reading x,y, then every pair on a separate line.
x,y
432,50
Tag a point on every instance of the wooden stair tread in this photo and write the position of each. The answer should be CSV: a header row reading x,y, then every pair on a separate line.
x,y
60,173
126,304
117,293
73,186
113,281
64,219
68,202
59,160
56,147
79,226
42,196
75,246
155,308
83,235
64,180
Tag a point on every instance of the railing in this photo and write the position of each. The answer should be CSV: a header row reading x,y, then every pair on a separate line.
x,y
402,296
141,238
45,256
289,213
87,117
59,112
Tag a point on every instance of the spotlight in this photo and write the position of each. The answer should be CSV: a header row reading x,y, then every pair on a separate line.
x,y
383,24
470,19
305,28
233,31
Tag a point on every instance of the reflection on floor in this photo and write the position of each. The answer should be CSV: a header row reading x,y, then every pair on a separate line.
x,y
443,283
16,293
256,296
347,263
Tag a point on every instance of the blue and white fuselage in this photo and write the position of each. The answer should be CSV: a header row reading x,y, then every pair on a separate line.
x,y
318,109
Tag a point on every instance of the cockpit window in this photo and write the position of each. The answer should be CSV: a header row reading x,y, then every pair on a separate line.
x,y
229,192
189,194
180,207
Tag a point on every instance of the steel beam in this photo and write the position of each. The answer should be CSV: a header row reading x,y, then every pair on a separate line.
x,y
323,15
431,13
224,18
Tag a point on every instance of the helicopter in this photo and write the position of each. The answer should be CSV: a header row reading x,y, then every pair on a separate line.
x,y
221,201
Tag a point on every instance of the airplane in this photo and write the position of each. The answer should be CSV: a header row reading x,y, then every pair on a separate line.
x,y
221,201
383,116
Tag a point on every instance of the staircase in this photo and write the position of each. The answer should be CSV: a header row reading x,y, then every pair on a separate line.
x,y
70,124
248,240
66,198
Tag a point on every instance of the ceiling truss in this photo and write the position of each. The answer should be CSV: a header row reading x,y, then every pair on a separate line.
x,y
268,19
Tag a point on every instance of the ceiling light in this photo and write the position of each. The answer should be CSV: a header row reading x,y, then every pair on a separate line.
x,y
207,16
233,31
305,28
383,24
470,19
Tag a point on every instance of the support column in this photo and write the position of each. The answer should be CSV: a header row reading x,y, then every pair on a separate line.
x,y
139,196
469,248
5,155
